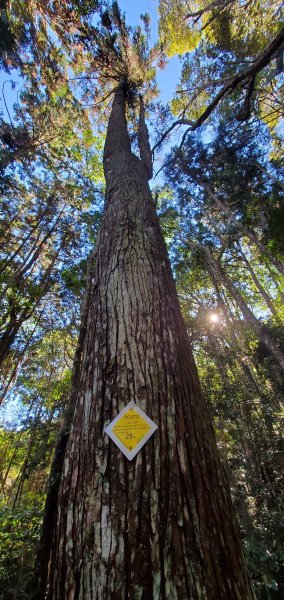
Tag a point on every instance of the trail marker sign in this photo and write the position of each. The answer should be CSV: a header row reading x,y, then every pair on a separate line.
x,y
131,429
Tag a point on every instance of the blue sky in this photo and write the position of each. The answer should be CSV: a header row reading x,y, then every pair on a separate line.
x,y
169,77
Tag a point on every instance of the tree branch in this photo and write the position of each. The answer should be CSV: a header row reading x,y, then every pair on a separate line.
x,y
250,72
214,4
166,133
245,113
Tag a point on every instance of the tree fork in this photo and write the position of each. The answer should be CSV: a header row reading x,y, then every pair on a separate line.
x,y
161,526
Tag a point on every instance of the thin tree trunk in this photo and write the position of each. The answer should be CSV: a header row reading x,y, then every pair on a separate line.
x,y
33,255
267,299
13,375
237,347
8,261
276,283
247,232
16,321
11,331
18,364
161,526
260,330
32,439
6,448
267,417
6,474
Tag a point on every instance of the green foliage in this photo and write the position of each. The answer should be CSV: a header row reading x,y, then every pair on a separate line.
x,y
175,36
274,231
19,532
219,41
75,278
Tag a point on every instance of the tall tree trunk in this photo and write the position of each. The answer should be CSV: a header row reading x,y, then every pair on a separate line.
x,y
260,329
42,214
267,299
161,526
247,232
16,320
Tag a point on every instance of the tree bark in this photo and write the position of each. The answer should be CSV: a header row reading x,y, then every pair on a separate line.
x,y
143,142
162,526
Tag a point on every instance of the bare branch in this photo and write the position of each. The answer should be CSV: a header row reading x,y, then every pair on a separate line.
x,y
166,133
279,183
3,94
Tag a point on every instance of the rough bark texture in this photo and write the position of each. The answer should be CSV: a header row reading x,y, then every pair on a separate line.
x,y
162,526
143,142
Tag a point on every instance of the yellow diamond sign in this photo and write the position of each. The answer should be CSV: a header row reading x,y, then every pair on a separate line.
x,y
131,429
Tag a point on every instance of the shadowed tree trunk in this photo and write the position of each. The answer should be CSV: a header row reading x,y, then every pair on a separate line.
x,y
160,526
